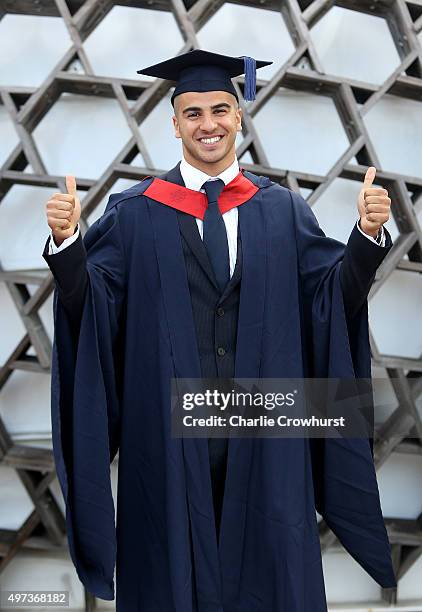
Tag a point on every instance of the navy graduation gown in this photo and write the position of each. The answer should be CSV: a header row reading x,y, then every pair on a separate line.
x,y
111,391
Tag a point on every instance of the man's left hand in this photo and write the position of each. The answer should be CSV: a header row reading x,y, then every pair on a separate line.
x,y
373,205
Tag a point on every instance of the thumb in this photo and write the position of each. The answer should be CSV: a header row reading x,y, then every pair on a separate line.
x,y
71,185
369,177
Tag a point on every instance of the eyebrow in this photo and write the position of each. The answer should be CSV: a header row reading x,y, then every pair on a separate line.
x,y
198,108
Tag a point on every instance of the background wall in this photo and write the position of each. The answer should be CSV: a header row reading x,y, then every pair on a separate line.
x,y
344,92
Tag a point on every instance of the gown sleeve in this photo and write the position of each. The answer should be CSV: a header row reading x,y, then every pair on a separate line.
x,y
334,283
87,368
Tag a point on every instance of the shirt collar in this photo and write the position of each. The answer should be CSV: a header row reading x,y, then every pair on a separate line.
x,y
195,178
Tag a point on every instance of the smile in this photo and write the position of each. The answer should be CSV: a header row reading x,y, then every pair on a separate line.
x,y
212,140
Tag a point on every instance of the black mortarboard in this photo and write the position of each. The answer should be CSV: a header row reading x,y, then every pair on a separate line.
x,y
200,70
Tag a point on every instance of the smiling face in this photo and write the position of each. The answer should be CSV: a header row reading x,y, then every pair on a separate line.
x,y
207,122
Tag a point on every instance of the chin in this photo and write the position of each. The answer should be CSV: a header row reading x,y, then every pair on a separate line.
x,y
211,156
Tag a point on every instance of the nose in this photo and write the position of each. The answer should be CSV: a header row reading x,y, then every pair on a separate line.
x,y
208,124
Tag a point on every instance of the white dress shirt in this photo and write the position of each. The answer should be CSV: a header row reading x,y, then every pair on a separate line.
x,y
194,179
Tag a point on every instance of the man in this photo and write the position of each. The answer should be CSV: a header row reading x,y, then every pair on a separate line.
x,y
236,280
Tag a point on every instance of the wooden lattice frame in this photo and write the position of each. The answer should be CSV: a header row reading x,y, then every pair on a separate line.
x,y
402,432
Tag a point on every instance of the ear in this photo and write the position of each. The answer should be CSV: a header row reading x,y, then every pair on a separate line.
x,y
239,114
176,127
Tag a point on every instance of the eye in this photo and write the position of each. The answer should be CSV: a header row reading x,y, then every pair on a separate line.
x,y
220,110
193,114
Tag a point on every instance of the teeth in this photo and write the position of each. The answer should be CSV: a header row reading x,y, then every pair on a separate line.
x,y
210,140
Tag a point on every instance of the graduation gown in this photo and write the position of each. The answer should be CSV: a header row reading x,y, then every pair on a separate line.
x,y
111,391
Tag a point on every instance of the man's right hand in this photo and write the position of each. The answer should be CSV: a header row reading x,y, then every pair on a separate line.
x,y
64,211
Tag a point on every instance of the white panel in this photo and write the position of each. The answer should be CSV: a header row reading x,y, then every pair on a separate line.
x,y
305,193
16,505
9,138
222,34
126,41
396,322
395,128
355,45
301,131
337,212
23,212
25,402
11,326
138,160
359,585
119,185
30,47
246,159
385,400
57,494
31,570
46,316
400,485
158,132
81,135
410,585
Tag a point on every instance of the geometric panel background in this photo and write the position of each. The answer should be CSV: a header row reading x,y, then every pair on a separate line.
x,y
344,92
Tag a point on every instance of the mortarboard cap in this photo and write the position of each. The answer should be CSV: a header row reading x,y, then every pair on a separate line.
x,y
200,70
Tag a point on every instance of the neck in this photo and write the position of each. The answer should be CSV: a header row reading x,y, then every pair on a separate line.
x,y
210,168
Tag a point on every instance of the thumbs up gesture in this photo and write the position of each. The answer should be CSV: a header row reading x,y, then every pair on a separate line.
x,y
373,205
64,211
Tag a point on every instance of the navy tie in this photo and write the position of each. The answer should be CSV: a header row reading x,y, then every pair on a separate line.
x,y
215,236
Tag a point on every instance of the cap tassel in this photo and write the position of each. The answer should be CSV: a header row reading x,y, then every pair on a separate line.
x,y
250,78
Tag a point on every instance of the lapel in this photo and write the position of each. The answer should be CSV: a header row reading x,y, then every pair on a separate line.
x,y
237,272
189,228
190,232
